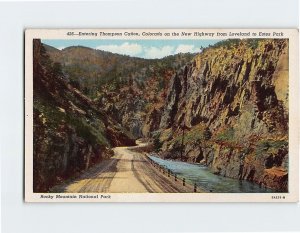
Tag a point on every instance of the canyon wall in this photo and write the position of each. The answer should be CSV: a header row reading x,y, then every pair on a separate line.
x,y
228,109
225,108
70,133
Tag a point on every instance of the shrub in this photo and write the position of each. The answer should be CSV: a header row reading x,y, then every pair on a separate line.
x,y
226,135
157,144
266,145
86,131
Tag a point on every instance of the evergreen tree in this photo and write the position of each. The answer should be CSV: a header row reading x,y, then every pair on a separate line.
x,y
157,144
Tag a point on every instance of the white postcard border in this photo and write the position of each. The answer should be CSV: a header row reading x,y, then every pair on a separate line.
x,y
294,119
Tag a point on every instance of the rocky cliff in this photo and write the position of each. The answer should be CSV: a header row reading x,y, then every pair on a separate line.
x,y
228,109
70,132
124,87
225,108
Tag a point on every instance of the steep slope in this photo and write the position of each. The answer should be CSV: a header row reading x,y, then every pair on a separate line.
x,y
70,133
228,109
126,88
90,69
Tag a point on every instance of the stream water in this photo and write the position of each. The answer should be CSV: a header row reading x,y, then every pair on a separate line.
x,y
205,179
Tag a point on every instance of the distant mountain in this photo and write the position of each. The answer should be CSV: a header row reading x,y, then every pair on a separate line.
x,y
225,108
125,87
89,69
77,118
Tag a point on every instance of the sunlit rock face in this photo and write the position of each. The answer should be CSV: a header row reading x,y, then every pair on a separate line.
x,y
239,91
225,108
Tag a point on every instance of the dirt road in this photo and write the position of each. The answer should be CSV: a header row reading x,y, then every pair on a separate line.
x,y
126,172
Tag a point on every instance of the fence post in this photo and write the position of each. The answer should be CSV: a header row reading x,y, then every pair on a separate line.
x,y
183,181
195,188
175,177
169,172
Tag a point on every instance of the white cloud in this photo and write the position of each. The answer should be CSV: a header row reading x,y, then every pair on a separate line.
x,y
186,48
61,48
155,52
131,49
150,52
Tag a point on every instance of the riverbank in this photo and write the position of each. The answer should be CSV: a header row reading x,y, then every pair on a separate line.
x,y
206,180
125,172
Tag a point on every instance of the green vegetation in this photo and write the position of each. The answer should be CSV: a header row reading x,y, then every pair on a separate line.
x,y
57,69
253,43
268,145
230,43
207,134
92,69
157,144
51,113
94,134
197,134
176,149
226,135
91,134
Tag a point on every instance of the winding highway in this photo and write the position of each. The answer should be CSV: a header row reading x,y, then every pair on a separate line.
x,y
126,172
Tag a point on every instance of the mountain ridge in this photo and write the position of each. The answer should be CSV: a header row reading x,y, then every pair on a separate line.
x,y
225,108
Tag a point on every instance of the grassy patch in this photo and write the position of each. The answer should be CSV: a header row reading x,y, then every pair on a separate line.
x,y
51,113
226,135
92,134
193,135
268,146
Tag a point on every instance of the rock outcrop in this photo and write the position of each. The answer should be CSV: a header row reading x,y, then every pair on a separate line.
x,y
226,108
70,132
125,87
237,91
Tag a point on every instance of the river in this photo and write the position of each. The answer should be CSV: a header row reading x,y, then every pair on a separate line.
x,y
208,181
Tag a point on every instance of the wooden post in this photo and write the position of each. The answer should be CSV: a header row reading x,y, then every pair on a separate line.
x,y
195,188
175,177
169,172
183,181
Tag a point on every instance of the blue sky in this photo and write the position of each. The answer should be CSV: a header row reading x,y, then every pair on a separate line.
x,y
137,48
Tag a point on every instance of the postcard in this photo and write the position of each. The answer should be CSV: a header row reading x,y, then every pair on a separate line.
x,y
161,115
